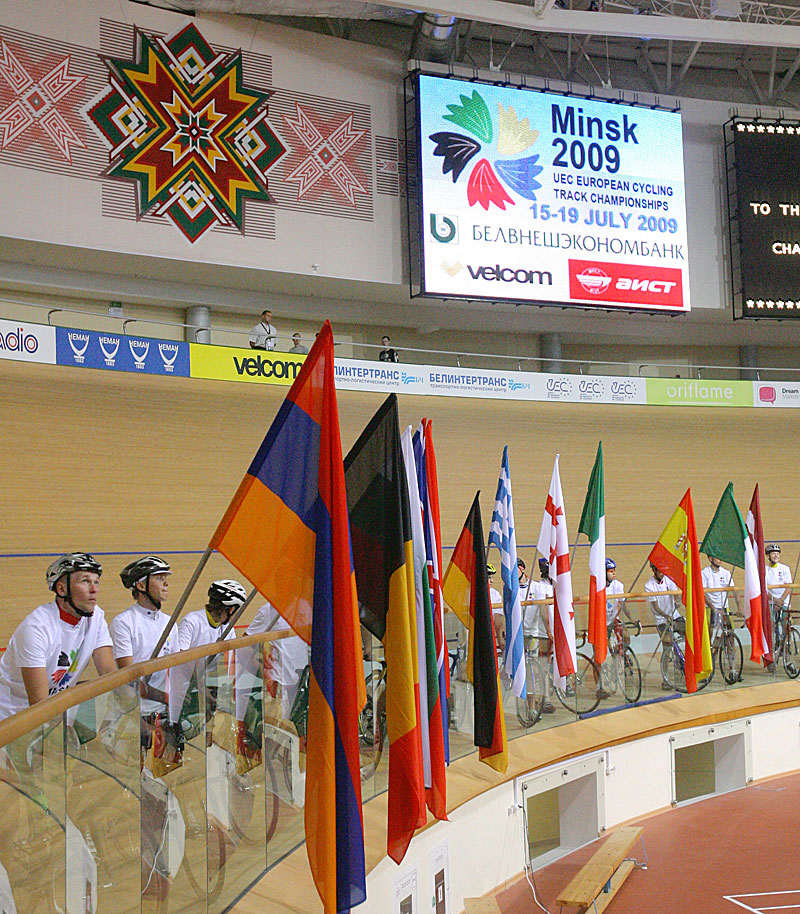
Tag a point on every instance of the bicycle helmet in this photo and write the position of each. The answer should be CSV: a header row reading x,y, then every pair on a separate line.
x,y
228,593
65,565
610,564
140,569
521,564
772,547
544,566
490,569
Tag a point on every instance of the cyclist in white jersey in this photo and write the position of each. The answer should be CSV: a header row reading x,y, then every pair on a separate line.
x,y
52,645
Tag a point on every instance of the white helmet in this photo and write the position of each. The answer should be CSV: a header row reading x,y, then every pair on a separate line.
x,y
228,593
73,561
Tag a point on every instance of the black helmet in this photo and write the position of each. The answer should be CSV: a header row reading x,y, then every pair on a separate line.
x,y
143,568
521,564
228,593
73,561
490,569
544,566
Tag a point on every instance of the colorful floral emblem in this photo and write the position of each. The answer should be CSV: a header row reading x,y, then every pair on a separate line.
x,y
182,125
510,137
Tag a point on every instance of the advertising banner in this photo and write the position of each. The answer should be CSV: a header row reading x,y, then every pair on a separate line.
x,y
27,342
118,352
777,393
530,196
227,363
684,392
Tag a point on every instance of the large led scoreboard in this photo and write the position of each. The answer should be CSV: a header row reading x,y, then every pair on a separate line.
x,y
763,169
533,197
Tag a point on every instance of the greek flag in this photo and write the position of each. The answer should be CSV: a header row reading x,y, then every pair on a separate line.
x,y
501,534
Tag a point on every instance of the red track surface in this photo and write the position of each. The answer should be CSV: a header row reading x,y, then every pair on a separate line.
x,y
716,856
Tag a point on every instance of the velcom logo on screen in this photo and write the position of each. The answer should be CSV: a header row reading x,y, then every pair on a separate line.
x,y
517,183
654,287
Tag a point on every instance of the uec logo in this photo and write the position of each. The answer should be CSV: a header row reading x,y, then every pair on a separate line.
x,y
19,341
559,387
623,389
591,387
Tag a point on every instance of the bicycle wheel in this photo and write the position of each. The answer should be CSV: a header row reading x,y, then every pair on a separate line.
x,y
529,709
673,667
631,678
731,657
791,653
580,694
372,735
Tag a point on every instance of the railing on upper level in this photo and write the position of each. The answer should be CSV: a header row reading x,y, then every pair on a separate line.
x,y
461,358
115,803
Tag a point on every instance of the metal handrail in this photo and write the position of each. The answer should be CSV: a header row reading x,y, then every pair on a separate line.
x,y
457,355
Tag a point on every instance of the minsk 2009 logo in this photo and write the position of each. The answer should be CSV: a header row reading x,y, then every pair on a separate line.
x,y
497,143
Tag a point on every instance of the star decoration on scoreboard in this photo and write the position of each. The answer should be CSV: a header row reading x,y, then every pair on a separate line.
x,y
510,136
35,102
327,151
182,125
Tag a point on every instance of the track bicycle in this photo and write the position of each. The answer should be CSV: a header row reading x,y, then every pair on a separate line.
x,y
726,653
578,696
787,641
621,669
372,731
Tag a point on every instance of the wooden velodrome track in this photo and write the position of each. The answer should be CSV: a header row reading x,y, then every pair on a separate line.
x,y
120,463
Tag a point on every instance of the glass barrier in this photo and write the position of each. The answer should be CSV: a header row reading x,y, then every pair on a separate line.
x,y
179,793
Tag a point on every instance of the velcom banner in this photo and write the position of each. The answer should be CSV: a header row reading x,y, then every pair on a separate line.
x,y
530,196
118,352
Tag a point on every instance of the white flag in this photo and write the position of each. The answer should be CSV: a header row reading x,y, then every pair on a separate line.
x,y
554,546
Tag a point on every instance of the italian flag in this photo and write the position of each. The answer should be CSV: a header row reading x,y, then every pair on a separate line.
x,y
728,540
593,524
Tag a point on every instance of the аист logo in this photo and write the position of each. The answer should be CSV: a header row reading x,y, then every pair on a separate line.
x,y
139,350
453,270
593,280
78,343
444,229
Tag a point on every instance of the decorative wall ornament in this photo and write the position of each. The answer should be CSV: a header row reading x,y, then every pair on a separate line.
x,y
181,124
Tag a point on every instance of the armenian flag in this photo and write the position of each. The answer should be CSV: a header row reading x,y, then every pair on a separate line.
x,y
287,531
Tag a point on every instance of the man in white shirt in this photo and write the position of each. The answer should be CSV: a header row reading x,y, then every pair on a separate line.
x,y
664,607
288,657
264,335
715,576
205,626
52,645
537,621
613,587
498,614
777,577
136,631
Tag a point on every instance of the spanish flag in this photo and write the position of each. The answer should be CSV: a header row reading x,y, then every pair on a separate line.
x,y
287,531
380,523
466,590
677,555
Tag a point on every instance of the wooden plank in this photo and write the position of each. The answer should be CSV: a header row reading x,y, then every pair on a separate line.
x,y
617,846
622,873
486,905
584,887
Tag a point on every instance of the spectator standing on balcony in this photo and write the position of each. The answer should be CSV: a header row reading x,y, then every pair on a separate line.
x,y
387,354
51,646
297,347
264,335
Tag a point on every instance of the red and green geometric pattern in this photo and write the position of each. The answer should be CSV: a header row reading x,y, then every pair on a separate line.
x,y
181,124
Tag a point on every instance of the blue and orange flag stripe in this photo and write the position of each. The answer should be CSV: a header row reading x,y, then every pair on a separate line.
x,y
287,531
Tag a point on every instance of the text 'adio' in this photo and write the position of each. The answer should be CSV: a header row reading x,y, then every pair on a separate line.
x,y
624,282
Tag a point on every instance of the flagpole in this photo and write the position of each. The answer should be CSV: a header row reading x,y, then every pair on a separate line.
x,y
182,602
574,548
639,574
238,614
797,565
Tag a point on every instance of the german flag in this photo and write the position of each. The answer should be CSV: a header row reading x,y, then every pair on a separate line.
x,y
466,590
380,528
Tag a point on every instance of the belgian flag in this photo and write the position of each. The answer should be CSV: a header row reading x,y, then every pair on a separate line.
x,y
466,590
380,530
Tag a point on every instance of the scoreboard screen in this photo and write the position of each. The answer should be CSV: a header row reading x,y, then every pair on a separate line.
x,y
763,184
530,196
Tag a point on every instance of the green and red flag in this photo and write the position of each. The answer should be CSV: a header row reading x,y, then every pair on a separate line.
x,y
677,555
466,590
728,540
380,528
593,524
